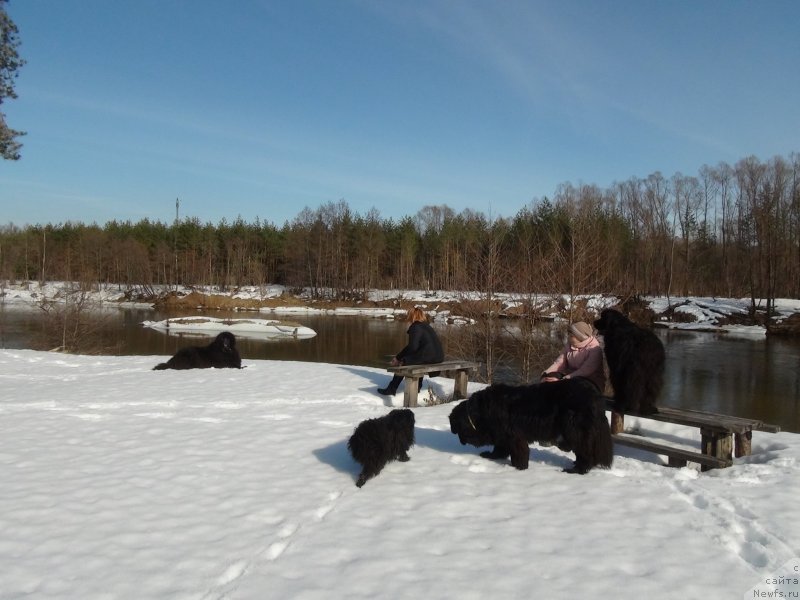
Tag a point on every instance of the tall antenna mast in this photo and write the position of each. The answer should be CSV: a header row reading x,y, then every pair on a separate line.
x,y
175,240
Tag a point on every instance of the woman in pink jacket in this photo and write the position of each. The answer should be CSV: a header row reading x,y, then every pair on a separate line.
x,y
582,357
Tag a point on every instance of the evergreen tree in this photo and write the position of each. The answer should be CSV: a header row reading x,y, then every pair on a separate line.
x,y
9,63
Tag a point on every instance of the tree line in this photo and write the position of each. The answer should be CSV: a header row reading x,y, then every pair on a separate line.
x,y
730,231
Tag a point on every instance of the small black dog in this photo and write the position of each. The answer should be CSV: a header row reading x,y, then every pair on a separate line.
x,y
221,353
376,442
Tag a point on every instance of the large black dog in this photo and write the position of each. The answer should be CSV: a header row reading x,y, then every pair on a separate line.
x,y
376,442
569,413
221,353
635,358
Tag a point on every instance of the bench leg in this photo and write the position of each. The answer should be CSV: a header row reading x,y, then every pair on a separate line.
x,y
716,444
410,393
744,443
461,379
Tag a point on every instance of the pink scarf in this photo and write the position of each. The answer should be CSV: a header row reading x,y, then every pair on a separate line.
x,y
583,344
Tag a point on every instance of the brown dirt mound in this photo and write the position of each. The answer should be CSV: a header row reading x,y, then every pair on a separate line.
x,y
196,300
789,326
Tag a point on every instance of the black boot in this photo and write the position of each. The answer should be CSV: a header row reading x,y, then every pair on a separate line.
x,y
391,389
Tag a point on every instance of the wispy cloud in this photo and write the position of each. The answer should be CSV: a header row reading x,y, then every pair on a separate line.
x,y
548,60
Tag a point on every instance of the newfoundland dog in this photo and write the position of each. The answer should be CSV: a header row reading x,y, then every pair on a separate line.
x,y
569,413
221,353
635,358
376,442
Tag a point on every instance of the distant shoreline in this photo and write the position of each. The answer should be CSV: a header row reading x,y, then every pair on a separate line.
x,y
718,315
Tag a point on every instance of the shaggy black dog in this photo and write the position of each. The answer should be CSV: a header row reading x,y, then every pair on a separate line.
x,y
569,413
376,442
635,358
220,353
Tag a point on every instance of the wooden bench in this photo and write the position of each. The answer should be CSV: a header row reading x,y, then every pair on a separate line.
x,y
454,369
720,435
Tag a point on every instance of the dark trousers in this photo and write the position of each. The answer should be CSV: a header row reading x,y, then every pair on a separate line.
x,y
397,380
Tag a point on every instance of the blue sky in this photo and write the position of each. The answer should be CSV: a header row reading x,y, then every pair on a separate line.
x,y
259,108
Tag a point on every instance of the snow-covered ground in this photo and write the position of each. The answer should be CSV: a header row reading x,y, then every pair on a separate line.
x,y
121,482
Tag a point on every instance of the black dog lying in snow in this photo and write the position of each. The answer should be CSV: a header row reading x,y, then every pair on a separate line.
x,y
376,442
221,353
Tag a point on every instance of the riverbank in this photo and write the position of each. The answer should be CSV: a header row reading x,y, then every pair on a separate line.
x,y
724,315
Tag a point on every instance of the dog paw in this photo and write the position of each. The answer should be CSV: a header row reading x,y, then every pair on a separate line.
x,y
576,470
493,455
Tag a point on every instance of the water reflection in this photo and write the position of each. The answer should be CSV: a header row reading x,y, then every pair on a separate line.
x,y
344,340
753,377
750,377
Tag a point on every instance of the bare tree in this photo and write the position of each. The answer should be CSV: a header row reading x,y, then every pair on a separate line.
x,y
732,231
687,201
73,322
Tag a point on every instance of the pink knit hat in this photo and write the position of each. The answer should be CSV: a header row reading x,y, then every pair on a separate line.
x,y
582,331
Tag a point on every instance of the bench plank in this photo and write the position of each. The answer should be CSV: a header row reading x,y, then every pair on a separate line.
x,y
720,435
458,370
677,456
452,365
705,420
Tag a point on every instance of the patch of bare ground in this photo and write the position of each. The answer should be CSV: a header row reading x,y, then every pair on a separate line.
x,y
788,326
200,301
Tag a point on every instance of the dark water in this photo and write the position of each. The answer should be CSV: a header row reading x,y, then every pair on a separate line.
x,y
749,377
342,339
754,377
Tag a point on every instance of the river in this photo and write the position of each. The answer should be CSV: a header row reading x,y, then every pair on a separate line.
x,y
756,377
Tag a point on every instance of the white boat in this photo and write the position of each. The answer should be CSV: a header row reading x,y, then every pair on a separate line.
x,y
202,325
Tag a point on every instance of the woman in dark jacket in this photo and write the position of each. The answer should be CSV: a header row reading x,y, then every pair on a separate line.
x,y
423,348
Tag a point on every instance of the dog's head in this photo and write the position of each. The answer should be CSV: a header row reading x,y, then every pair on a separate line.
x,y
466,423
401,422
401,417
609,319
225,342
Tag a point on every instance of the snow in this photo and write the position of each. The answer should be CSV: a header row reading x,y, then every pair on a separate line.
x,y
240,327
375,313
121,482
706,312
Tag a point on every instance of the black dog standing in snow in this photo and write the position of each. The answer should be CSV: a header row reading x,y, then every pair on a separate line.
x,y
635,358
569,413
376,442
220,354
